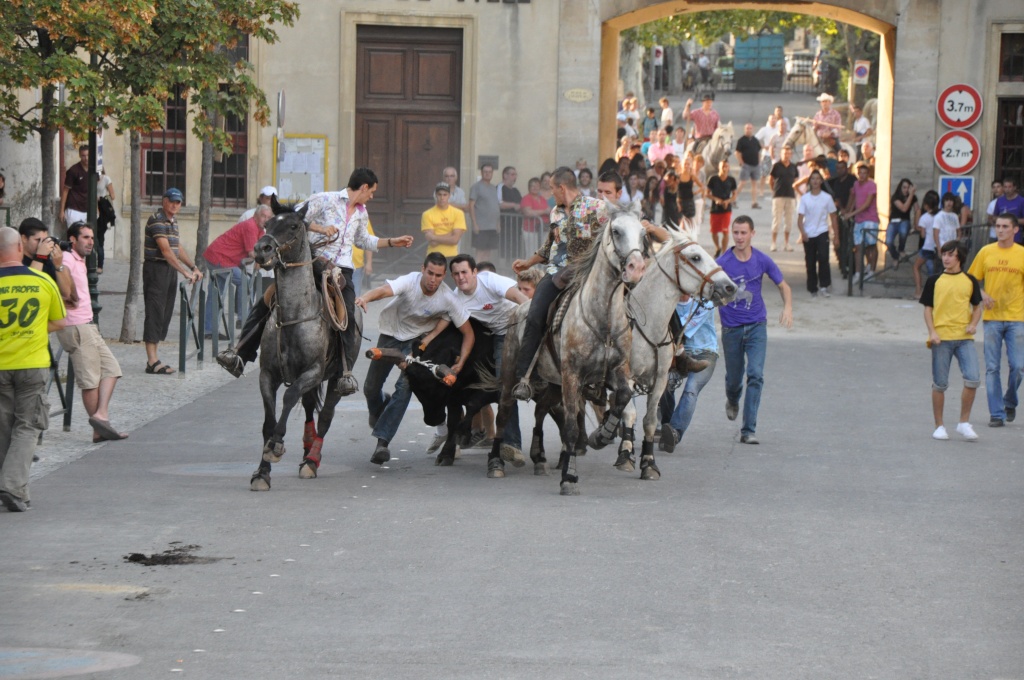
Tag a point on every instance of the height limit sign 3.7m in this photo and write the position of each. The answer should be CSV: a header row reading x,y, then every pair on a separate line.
x,y
959,106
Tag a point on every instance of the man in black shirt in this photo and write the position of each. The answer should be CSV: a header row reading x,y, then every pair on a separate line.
x,y
748,151
43,253
722,192
784,173
840,186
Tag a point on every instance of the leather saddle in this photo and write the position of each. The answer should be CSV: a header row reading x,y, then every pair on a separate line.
x,y
332,282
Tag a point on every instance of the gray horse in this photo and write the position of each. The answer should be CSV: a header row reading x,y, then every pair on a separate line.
x,y
591,348
299,349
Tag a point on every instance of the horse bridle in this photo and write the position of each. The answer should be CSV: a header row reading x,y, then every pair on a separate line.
x,y
284,247
705,279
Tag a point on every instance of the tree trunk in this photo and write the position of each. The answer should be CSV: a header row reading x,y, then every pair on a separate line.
x,y
631,70
47,138
205,194
131,298
674,59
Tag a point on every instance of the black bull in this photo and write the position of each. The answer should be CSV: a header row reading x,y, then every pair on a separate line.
x,y
458,403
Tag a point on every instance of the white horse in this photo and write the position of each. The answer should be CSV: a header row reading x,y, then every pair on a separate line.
x,y
718,148
681,266
803,133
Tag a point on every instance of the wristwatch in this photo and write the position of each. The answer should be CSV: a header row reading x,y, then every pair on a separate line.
x,y
60,268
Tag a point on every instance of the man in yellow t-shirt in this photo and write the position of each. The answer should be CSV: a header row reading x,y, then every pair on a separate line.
x,y
1000,266
30,307
443,225
952,312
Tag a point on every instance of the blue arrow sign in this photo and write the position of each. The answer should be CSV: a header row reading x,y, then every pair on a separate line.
x,y
963,187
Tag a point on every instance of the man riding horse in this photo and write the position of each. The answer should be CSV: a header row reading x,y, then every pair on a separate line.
x,y
337,221
828,122
705,120
575,222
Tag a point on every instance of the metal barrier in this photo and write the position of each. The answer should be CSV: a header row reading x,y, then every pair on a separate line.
x,y
65,392
520,237
218,290
5,211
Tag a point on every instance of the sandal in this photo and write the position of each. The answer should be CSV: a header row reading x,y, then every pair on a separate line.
x,y
159,368
105,430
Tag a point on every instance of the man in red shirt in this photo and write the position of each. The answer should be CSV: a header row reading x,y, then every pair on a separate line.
x,y
705,121
227,252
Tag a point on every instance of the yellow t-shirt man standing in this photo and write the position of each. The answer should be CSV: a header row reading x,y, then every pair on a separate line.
x,y
443,225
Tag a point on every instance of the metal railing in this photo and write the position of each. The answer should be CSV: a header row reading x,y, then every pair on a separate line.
x,y
220,292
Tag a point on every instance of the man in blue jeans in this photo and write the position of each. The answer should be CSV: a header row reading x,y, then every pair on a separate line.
x,y
745,324
420,301
700,342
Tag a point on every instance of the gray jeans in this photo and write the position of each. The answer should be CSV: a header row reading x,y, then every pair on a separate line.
x,y
24,413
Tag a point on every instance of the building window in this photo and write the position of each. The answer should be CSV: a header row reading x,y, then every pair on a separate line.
x,y
1011,57
163,151
1010,140
230,170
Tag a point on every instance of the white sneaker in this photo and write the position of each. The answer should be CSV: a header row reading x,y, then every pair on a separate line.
x,y
774,248
856,278
967,432
940,433
824,292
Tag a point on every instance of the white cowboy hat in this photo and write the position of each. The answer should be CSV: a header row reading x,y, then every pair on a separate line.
x,y
825,97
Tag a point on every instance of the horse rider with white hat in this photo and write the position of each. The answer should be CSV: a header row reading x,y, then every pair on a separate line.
x,y
828,122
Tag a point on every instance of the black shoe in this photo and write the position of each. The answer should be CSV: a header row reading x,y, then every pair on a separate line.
x,y
995,422
749,439
13,503
381,454
1011,413
669,438
231,362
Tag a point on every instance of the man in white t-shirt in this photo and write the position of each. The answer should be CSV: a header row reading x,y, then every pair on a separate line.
x,y
679,141
816,218
490,299
861,126
420,303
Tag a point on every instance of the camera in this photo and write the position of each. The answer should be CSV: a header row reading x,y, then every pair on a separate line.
x,y
63,245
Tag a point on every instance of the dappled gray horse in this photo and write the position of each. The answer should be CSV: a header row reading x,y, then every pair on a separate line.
x,y
299,348
591,347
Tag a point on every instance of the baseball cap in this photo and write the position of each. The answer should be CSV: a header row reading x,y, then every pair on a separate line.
x,y
442,186
268,191
174,195
707,95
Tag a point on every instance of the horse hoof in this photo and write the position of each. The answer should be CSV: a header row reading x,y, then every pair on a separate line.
x,y
259,483
625,463
541,469
307,470
511,454
650,473
570,489
444,461
273,452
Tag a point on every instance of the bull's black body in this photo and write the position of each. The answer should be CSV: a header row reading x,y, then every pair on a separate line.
x,y
459,403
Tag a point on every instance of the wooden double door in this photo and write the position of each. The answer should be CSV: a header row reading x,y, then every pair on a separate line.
x,y
408,118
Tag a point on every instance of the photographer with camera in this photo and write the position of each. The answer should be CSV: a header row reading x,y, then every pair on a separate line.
x,y
46,253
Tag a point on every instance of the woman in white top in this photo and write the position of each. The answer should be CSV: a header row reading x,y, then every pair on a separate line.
x,y
816,218
926,255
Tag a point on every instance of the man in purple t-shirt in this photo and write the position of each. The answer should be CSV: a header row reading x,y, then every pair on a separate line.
x,y
864,211
745,324
1011,202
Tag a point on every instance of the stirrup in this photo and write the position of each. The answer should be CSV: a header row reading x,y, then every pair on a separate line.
x,y
347,384
231,362
522,391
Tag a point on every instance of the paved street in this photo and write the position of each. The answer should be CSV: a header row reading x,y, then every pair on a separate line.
x,y
848,544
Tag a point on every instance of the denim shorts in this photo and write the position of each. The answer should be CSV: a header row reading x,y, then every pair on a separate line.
x,y
942,359
865,233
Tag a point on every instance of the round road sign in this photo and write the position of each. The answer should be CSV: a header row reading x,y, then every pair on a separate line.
x,y
957,152
861,71
959,106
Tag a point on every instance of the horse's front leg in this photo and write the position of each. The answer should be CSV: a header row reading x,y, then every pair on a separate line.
x,y
621,394
625,461
648,467
260,480
571,404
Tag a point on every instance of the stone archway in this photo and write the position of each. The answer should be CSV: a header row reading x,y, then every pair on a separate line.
x,y
622,15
